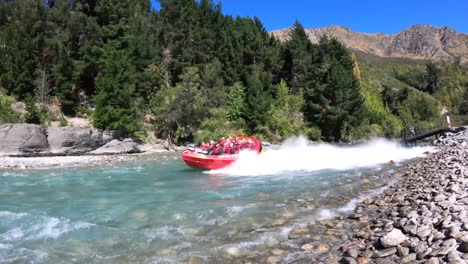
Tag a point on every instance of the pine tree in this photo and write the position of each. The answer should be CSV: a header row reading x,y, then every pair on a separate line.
x,y
297,57
335,102
258,96
116,105
236,102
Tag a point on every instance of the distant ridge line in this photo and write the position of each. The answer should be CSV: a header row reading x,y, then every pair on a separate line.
x,y
440,44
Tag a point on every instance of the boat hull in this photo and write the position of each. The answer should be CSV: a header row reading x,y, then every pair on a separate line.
x,y
208,162
214,162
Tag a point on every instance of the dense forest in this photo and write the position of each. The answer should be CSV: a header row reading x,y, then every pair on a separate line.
x,y
189,73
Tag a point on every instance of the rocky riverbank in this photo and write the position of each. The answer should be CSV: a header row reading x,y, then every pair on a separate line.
x,y
29,140
423,219
29,146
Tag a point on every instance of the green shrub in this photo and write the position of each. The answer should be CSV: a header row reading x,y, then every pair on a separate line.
x,y
84,112
63,121
313,133
217,126
32,115
7,115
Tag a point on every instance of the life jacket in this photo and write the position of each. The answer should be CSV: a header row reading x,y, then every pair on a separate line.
x,y
233,150
226,150
216,151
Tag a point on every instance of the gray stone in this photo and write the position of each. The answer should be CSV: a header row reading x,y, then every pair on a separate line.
x,y
412,229
441,251
447,222
76,140
387,260
439,198
392,239
412,214
423,231
410,258
455,232
273,260
445,204
463,238
352,252
432,260
450,243
384,252
423,254
463,247
402,251
22,140
117,147
348,260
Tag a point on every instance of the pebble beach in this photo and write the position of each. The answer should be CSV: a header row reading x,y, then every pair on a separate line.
x,y
423,218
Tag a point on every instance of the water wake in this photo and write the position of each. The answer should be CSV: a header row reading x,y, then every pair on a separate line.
x,y
295,154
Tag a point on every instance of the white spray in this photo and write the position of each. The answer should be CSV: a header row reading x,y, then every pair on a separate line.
x,y
295,154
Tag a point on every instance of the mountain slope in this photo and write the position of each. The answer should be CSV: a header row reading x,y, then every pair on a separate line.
x,y
416,42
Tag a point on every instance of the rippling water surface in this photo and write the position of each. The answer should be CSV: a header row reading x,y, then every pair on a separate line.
x,y
162,211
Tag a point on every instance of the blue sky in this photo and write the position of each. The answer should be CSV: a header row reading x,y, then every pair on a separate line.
x,y
369,16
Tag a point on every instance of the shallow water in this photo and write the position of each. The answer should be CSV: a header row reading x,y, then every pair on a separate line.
x,y
162,211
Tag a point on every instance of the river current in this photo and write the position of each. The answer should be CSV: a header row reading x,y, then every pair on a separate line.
x,y
162,211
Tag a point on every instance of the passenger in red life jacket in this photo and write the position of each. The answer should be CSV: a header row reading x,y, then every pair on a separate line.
x,y
222,141
210,148
203,146
226,150
218,149
232,148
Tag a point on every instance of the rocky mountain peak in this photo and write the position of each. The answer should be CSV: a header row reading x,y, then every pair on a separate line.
x,y
417,42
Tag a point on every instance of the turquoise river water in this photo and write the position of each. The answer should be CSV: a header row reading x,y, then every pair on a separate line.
x,y
161,211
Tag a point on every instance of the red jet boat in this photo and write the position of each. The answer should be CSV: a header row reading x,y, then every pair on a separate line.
x,y
198,159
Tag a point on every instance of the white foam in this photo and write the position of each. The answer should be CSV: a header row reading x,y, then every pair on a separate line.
x,y
235,210
351,205
165,233
12,235
11,215
271,238
12,174
5,246
327,213
295,154
41,227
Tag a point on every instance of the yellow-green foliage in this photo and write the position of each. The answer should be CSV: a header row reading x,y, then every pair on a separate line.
x,y
63,121
379,119
7,115
218,126
421,109
285,116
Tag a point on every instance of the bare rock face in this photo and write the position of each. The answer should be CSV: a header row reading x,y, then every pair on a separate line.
x,y
22,140
76,140
417,42
117,147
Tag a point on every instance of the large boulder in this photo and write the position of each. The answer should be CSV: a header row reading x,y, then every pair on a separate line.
x,y
22,140
76,140
117,147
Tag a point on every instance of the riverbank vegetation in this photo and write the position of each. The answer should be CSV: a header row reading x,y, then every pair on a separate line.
x,y
194,74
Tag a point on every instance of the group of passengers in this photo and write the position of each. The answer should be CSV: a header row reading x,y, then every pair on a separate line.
x,y
230,145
